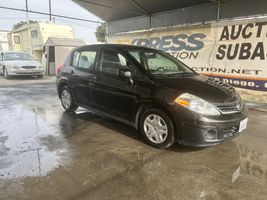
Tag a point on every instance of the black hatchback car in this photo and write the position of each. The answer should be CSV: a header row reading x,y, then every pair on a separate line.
x,y
152,91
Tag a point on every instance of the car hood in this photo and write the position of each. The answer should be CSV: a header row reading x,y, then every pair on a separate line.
x,y
22,63
204,87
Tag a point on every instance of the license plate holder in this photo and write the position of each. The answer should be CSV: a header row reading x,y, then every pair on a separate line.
x,y
243,125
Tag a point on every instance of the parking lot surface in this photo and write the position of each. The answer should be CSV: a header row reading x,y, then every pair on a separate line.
x,y
46,153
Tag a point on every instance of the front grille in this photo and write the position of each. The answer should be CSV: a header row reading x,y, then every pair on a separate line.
x,y
229,132
28,67
229,108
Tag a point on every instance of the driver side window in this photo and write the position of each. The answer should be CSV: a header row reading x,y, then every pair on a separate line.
x,y
112,61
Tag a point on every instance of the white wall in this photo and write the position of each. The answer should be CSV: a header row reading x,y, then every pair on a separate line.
x,y
4,41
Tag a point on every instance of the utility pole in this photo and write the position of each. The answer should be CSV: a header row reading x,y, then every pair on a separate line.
x,y
50,11
219,4
29,29
27,12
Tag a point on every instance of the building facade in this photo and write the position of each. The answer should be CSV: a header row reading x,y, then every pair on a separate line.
x,y
4,40
32,37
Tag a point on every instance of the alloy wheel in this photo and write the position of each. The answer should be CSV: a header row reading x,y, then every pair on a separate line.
x,y
66,99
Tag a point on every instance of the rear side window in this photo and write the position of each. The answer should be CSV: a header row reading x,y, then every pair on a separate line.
x,y
84,59
75,59
112,61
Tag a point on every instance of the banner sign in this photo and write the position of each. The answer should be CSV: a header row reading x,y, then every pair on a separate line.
x,y
234,52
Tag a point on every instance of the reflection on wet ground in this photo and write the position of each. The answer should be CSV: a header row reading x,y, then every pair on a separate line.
x,y
46,153
31,143
252,146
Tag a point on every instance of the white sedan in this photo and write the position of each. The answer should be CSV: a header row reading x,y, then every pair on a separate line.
x,y
19,64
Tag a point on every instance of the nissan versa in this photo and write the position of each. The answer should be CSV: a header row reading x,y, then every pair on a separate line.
x,y
153,92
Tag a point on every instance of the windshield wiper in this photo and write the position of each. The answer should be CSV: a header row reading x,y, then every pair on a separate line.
x,y
179,73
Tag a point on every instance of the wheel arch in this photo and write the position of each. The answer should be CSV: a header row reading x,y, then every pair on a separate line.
x,y
149,105
62,84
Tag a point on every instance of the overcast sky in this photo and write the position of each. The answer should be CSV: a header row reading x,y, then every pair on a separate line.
x,y
83,30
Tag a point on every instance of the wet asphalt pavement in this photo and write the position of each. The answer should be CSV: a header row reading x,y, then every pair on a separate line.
x,y
46,153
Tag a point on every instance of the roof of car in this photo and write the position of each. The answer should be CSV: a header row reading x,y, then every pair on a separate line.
x,y
117,46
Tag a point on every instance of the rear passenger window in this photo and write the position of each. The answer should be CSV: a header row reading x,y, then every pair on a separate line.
x,y
112,61
75,59
84,59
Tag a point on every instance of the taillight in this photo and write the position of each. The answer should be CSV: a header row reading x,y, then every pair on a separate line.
x,y
59,68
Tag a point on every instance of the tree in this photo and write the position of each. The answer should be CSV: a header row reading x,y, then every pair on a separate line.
x,y
101,32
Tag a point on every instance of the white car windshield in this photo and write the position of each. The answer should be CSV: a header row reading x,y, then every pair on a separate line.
x,y
159,63
18,56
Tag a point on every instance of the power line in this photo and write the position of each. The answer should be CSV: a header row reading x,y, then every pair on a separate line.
x,y
76,24
16,18
47,14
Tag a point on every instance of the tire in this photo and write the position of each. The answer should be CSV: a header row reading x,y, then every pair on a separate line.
x,y
5,73
67,100
160,122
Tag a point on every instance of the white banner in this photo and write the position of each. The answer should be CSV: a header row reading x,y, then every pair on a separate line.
x,y
234,52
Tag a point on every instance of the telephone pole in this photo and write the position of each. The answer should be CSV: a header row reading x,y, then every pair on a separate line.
x,y
50,11
29,29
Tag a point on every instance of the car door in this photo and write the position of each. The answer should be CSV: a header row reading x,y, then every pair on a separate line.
x,y
114,95
81,68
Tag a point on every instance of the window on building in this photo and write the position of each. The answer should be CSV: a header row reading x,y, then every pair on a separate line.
x,y
17,39
34,33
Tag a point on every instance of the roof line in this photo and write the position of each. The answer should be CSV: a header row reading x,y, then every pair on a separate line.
x,y
112,7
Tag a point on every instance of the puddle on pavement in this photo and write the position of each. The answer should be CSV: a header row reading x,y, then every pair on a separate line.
x,y
253,163
252,147
31,141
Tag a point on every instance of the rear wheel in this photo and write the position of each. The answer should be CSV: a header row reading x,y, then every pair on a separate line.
x,y
157,128
67,99
5,73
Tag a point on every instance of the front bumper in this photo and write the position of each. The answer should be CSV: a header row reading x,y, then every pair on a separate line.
x,y
203,131
25,72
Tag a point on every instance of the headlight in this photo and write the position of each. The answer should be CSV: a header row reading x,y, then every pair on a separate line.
x,y
197,104
14,66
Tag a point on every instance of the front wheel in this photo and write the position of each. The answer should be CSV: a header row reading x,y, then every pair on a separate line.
x,y
157,128
67,99
5,72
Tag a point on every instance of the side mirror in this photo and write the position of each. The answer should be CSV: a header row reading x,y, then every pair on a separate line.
x,y
125,73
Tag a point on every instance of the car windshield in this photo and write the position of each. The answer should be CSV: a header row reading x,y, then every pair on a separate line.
x,y
159,63
18,56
